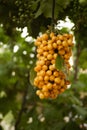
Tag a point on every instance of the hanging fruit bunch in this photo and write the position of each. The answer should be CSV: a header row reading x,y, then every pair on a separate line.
x,y
53,54
52,66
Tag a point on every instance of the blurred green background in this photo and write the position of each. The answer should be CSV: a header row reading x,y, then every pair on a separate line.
x,y
21,21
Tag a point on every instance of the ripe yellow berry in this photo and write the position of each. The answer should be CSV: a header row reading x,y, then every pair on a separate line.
x,y
37,43
57,80
49,56
42,58
56,73
44,43
50,42
60,37
36,81
42,72
62,90
45,36
44,67
52,67
39,39
41,95
66,49
48,62
52,78
65,43
45,54
38,92
41,46
62,82
55,86
40,78
40,51
37,68
41,62
52,34
53,61
70,42
61,52
51,52
50,47
60,47
55,55
71,36
59,42
40,84
54,39
66,56
49,86
46,94
38,55
49,72
53,96
44,89
46,78
66,35
44,48
55,45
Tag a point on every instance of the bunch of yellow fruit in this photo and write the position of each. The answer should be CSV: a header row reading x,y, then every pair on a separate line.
x,y
49,80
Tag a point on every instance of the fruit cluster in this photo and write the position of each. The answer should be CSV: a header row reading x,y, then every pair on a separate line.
x,y
49,80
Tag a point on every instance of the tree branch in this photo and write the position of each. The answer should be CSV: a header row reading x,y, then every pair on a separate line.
x,y
18,120
76,62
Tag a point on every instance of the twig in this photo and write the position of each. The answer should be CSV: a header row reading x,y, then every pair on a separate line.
x,y
18,120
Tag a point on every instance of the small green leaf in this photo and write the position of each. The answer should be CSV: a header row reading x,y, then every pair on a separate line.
x,y
32,74
41,9
59,62
80,110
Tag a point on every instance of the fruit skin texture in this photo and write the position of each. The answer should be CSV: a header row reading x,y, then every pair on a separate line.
x,y
50,81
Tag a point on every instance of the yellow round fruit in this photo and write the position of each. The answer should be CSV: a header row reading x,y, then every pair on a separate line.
x,y
49,72
49,56
38,92
57,80
52,78
41,95
55,45
52,34
56,73
46,78
45,37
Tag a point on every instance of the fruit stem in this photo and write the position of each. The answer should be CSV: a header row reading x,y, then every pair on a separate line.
x,y
53,9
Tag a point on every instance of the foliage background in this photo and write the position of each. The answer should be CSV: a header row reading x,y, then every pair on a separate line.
x,y
20,108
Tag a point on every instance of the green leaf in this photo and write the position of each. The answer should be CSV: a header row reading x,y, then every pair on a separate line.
x,y
72,126
75,100
32,74
46,9
80,110
59,62
41,9
8,118
35,5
